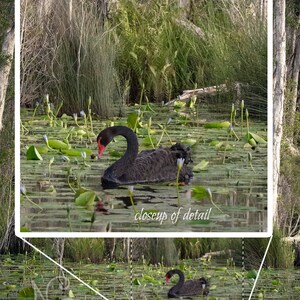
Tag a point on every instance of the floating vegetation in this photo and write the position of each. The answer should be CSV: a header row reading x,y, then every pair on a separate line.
x,y
67,159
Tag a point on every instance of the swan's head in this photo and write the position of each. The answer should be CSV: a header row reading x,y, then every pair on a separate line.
x,y
170,274
103,139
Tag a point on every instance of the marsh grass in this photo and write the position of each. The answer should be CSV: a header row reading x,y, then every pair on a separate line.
x,y
166,57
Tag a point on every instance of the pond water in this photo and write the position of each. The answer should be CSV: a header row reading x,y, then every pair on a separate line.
x,y
238,187
113,280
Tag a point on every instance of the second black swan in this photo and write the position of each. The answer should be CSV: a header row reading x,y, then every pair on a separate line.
x,y
196,287
148,166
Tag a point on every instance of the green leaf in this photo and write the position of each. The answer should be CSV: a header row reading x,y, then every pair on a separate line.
x,y
147,141
179,104
42,150
81,191
189,142
201,166
86,199
224,124
26,293
56,144
136,282
257,138
200,192
33,154
133,120
24,229
76,152
251,274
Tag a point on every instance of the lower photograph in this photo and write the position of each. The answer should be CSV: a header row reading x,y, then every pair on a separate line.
x,y
148,268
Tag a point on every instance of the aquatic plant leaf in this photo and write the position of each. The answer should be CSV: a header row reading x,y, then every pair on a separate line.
x,y
224,124
252,142
76,152
33,154
133,120
214,143
136,282
115,153
201,166
223,146
56,144
81,132
189,142
199,192
86,199
221,268
26,293
179,104
251,274
150,279
80,191
257,138
43,150
24,229
275,282
147,141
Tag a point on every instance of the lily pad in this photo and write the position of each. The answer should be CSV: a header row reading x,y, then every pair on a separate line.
x,y
56,144
133,120
33,154
136,282
199,192
179,104
189,142
76,152
257,138
86,199
201,166
147,141
224,124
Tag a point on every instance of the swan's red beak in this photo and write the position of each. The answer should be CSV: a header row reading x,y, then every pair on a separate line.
x,y
167,280
101,148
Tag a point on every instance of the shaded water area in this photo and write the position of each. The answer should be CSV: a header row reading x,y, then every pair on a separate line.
x,y
112,280
239,190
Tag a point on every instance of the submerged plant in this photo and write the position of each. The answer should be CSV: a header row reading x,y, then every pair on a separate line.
x,y
250,161
180,162
211,200
24,193
242,116
130,191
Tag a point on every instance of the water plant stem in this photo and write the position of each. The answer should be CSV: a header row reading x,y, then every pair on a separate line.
x,y
211,200
130,191
242,116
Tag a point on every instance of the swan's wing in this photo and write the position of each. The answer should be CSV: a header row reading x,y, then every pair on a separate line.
x,y
192,287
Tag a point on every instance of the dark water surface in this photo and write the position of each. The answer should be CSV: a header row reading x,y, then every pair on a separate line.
x,y
238,191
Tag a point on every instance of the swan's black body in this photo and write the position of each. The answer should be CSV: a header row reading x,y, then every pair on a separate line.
x,y
148,166
197,287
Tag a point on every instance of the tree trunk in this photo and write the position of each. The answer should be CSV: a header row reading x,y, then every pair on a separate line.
x,y
279,90
293,68
7,50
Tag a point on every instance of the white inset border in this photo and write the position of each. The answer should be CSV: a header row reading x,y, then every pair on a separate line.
x,y
241,234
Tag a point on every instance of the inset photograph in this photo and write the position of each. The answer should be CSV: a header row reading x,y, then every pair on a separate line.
x,y
143,117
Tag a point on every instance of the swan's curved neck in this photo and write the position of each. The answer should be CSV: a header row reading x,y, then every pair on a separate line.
x,y
176,288
122,165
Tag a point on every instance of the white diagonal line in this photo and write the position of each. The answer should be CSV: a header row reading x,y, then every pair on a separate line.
x,y
60,266
261,265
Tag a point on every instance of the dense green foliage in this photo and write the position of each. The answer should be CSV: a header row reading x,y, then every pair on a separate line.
x,y
160,57
143,51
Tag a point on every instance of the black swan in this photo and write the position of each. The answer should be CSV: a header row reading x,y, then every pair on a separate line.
x,y
189,288
149,166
